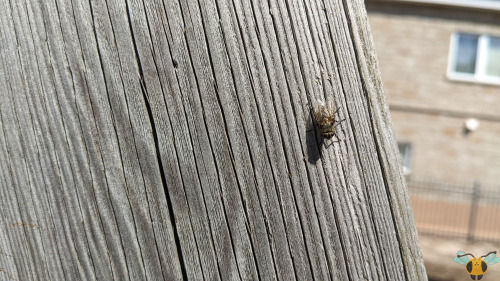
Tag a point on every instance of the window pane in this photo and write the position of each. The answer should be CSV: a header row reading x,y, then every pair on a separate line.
x,y
465,55
493,64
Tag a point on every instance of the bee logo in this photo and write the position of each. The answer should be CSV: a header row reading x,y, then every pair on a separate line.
x,y
325,118
476,266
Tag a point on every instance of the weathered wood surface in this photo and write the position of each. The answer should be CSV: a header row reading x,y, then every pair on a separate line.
x,y
169,140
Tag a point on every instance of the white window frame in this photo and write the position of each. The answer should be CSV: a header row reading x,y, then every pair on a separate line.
x,y
475,4
479,75
406,157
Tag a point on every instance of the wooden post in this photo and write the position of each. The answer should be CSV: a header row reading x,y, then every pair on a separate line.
x,y
170,140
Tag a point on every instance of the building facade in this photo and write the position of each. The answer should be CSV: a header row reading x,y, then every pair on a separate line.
x,y
440,65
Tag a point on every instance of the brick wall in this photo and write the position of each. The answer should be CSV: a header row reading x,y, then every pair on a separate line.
x,y
428,109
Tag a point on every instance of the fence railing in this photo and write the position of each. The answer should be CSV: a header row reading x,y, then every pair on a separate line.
x,y
461,211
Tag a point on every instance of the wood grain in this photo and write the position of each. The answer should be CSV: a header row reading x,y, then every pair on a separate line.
x,y
174,140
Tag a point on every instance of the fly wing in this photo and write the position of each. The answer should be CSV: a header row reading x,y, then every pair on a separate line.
x,y
330,105
319,102
330,108
491,258
319,110
461,260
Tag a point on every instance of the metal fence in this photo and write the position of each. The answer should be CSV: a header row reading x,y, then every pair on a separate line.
x,y
469,211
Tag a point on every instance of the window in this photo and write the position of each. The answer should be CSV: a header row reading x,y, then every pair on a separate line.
x,y
475,58
405,153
